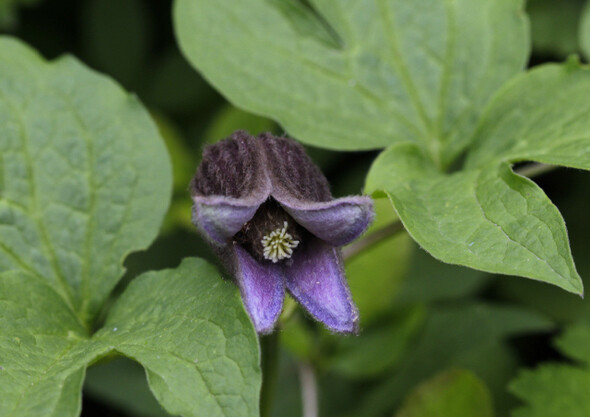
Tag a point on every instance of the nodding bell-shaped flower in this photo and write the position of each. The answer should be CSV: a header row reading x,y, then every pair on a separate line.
x,y
267,210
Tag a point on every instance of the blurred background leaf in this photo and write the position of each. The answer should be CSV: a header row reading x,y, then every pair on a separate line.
x,y
380,348
558,389
554,26
116,36
9,12
122,383
584,32
190,114
430,280
376,275
471,336
457,393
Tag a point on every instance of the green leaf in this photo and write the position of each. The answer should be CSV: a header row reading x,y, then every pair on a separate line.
x,y
553,390
558,389
44,348
542,115
359,74
489,219
457,393
566,186
188,328
84,180
585,30
470,336
575,342
84,176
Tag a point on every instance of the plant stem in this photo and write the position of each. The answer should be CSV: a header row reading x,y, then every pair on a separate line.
x,y
269,346
360,245
309,390
530,171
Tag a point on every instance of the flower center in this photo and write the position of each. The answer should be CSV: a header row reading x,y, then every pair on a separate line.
x,y
278,244
271,235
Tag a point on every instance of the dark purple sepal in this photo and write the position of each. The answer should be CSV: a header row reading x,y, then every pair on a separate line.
x,y
219,218
337,222
234,167
291,171
230,184
262,288
315,278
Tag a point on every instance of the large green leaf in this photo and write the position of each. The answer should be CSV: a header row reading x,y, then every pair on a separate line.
x,y
542,115
457,393
558,389
84,180
188,328
489,219
484,216
359,74
84,176
44,349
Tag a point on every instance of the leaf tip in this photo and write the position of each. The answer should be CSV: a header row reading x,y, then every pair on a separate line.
x,y
577,286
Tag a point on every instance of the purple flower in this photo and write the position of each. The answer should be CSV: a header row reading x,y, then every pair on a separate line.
x,y
267,211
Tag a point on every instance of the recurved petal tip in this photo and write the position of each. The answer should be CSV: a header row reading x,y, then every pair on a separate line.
x,y
337,222
316,280
219,218
262,288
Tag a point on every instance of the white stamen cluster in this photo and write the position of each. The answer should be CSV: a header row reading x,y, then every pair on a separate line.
x,y
278,244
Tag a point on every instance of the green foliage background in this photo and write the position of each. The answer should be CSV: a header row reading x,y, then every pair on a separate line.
x,y
139,328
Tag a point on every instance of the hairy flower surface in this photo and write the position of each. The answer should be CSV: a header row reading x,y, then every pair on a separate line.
x,y
266,209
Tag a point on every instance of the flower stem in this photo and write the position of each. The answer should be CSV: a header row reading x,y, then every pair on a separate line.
x,y
309,390
269,346
360,245
355,248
